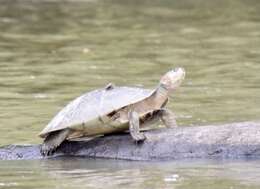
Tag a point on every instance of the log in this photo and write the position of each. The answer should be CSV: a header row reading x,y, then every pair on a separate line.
x,y
235,140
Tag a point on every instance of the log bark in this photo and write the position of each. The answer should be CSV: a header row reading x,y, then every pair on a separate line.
x,y
235,140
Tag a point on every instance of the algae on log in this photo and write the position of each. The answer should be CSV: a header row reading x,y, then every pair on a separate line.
x,y
235,140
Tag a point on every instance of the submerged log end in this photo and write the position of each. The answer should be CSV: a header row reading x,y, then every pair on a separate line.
x,y
236,140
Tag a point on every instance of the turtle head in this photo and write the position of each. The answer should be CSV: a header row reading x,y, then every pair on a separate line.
x,y
172,79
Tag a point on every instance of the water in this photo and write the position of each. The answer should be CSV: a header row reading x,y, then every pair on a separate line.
x,y
89,173
53,51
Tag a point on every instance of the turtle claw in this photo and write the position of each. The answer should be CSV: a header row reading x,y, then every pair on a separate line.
x,y
47,150
44,151
140,137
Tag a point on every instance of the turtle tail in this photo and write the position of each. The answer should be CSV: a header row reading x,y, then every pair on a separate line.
x,y
53,140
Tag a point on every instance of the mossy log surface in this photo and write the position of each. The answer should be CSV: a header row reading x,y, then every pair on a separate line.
x,y
235,140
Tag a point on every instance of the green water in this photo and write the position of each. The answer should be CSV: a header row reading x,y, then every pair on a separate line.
x,y
53,51
82,173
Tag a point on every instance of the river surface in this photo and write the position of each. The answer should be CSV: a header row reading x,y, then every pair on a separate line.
x,y
53,51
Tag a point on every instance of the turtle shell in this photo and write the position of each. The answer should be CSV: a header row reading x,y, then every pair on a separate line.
x,y
94,104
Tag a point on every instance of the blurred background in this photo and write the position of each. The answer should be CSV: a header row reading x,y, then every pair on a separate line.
x,y
53,51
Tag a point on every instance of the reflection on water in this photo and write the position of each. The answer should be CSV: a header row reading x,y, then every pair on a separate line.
x,y
89,173
53,51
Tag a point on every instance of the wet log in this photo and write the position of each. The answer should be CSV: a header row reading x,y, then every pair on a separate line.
x,y
235,140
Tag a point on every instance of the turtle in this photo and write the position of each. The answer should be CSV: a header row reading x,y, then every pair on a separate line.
x,y
112,109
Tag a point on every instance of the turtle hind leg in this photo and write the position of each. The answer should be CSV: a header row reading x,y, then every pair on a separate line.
x,y
134,127
53,140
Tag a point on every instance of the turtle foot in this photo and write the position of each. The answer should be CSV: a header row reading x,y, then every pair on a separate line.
x,y
139,138
52,141
47,150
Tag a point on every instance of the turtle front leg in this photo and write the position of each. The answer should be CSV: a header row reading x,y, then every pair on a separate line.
x,y
168,118
134,127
